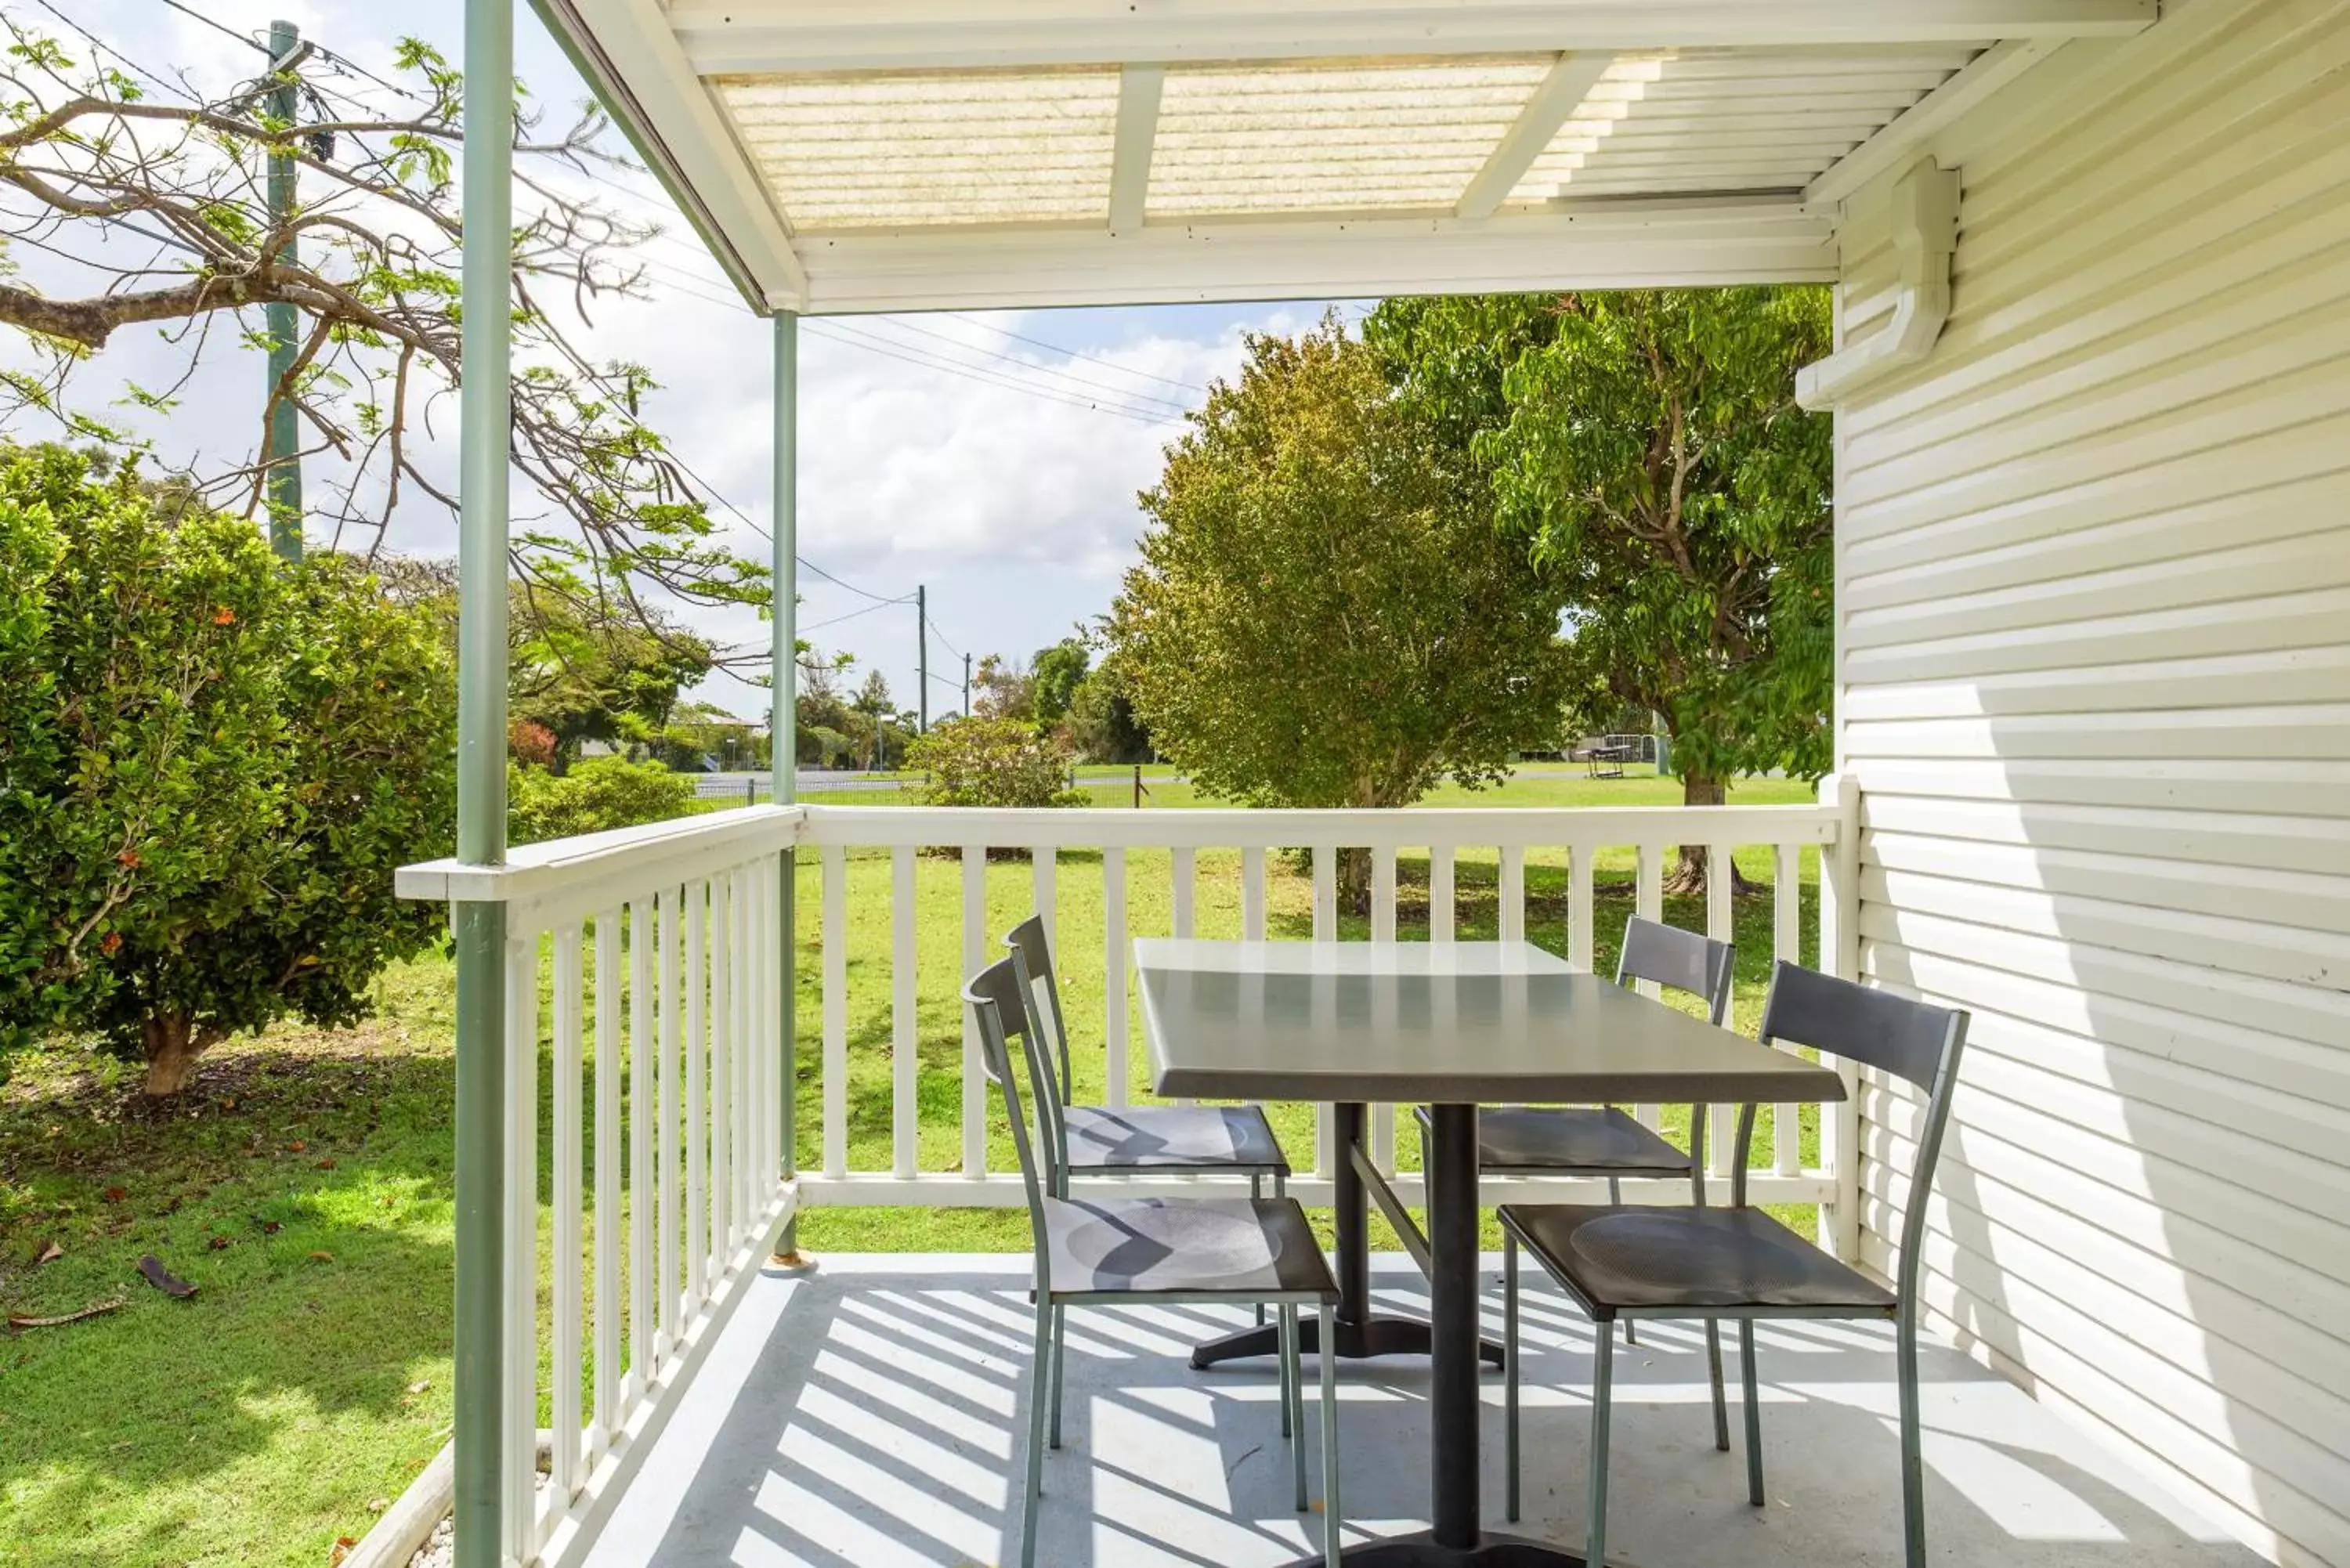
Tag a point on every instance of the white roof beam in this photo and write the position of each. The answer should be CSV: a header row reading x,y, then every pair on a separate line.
x,y
1561,92
1894,147
1138,129
761,36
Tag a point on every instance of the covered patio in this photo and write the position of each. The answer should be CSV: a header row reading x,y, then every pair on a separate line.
x,y
2092,692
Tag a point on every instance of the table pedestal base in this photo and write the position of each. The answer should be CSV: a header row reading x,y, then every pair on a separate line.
x,y
1357,1341
1422,1550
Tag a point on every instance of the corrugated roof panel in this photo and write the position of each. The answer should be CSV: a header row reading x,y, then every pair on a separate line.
x,y
1331,135
1729,120
930,148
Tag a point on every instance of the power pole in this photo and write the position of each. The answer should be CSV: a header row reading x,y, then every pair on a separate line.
x,y
922,653
966,685
285,469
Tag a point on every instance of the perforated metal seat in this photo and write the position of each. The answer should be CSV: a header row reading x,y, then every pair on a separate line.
x,y
1104,1141
1616,1259
1259,1247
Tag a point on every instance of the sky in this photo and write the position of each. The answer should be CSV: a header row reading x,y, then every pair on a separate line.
x,y
992,458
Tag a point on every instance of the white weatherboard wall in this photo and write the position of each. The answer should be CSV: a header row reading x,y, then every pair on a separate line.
x,y
2095,692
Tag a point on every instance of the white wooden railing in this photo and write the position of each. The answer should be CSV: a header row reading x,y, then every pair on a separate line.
x,y
1653,834
659,952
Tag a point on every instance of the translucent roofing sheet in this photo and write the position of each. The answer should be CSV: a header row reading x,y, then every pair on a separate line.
x,y
1331,135
1728,119
960,147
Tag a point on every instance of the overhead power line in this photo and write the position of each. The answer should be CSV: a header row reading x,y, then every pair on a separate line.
x,y
221,27
1072,353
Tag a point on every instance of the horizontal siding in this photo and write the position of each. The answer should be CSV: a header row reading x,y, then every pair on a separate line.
x,y
2094,656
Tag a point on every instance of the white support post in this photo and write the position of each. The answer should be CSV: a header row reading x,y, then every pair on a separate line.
x,y
1840,955
564,1470
1513,893
974,958
904,1107
643,1184
1787,947
1252,894
836,1010
607,1290
1440,893
1114,1008
1721,925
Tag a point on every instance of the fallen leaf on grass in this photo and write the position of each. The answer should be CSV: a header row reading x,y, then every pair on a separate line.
x,y
377,1505
151,1269
19,1322
297,1145
343,1544
420,1386
271,1227
322,1257
116,1194
218,1243
326,1165
50,1253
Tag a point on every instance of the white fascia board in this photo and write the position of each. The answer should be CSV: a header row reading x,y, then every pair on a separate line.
x,y
644,80
1686,242
1561,92
1894,146
754,36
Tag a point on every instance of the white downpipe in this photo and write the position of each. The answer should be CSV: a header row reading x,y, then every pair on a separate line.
x,y
1925,217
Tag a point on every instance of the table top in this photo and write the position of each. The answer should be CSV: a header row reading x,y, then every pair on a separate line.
x,y
1475,1023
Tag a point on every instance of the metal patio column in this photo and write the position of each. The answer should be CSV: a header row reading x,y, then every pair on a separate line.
x,y
783,724
481,927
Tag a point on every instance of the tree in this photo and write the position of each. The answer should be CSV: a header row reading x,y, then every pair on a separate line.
x,y
1054,677
368,259
1102,724
597,794
1647,450
211,763
1324,614
1002,690
588,670
993,762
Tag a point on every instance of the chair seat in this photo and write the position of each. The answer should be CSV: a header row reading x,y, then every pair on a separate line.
x,y
1170,1138
1246,1247
1586,1139
1639,1259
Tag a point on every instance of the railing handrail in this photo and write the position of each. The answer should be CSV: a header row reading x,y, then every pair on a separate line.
x,y
607,867
1451,827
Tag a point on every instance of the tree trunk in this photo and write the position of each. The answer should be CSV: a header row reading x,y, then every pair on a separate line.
x,y
172,1042
1688,877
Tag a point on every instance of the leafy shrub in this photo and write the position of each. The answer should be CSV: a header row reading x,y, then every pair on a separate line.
x,y
597,794
531,744
993,762
211,764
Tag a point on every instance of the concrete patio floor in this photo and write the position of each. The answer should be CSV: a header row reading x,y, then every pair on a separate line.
x,y
869,1416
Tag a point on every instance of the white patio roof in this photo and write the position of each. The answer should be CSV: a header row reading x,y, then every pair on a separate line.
x,y
857,155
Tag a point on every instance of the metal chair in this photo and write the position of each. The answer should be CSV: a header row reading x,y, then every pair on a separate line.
x,y
1739,1263
1128,1251
1606,1140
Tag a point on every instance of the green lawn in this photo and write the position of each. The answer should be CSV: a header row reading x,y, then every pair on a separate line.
x,y
305,1186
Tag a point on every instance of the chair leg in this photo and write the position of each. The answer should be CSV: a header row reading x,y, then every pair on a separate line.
x,y
1753,1412
1510,1369
1039,1372
1595,1550
1292,1400
1256,1190
1616,1199
1325,1340
1060,1338
1714,1365
1913,1461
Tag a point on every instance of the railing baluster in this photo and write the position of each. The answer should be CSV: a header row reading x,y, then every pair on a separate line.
x,y
1513,893
1381,1118
1788,944
1721,925
665,1157
1440,893
744,970
974,958
1114,1008
1044,876
1183,884
904,1108
519,1398
642,1184
759,1041
1649,903
567,1112
608,1181
1582,899
1325,929
836,1010
1252,894
697,1097
721,1074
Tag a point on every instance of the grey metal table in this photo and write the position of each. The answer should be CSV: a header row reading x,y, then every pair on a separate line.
x,y
1454,1025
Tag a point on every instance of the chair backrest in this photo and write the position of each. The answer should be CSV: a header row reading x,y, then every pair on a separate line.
x,y
1000,1016
1911,1040
1682,959
1032,946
